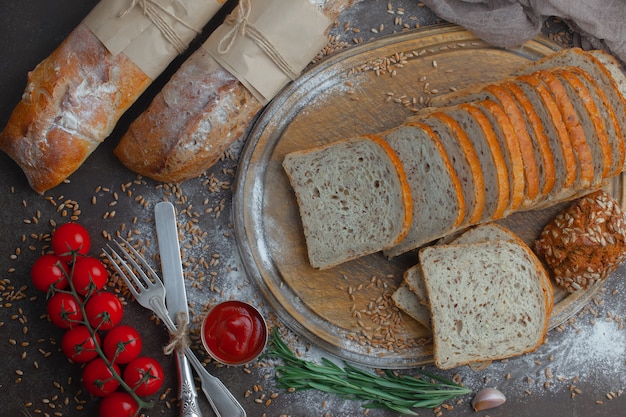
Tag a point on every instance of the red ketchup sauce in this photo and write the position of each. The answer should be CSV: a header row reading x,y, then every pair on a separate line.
x,y
234,332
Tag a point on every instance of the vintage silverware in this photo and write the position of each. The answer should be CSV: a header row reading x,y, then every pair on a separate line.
x,y
150,293
176,300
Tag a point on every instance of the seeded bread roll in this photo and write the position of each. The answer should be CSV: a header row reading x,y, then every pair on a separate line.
x,y
438,203
488,301
353,197
584,243
201,111
72,102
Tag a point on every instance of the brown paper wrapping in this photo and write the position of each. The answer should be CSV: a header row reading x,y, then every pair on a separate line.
x,y
294,29
151,33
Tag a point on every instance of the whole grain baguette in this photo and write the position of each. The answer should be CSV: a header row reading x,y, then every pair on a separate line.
x,y
353,197
72,101
201,111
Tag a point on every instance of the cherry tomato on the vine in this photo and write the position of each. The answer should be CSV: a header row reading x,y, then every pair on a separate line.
x,y
49,270
144,375
118,404
122,344
98,379
64,310
69,238
78,344
104,310
89,274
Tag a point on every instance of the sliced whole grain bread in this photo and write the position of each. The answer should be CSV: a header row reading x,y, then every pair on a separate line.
x,y
406,300
579,156
353,198
464,159
487,145
591,121
607,114
511,151
600,65
538,113
538,165
487,299
438,202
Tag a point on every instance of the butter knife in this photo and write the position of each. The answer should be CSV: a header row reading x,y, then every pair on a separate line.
x,y
176,301
222,401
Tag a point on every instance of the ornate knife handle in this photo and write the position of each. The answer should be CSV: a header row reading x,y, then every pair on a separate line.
x,y
187,390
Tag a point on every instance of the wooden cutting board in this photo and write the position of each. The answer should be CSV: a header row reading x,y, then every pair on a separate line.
x,y
366,89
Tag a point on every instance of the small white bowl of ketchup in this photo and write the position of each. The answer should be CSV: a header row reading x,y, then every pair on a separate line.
x,y
234,332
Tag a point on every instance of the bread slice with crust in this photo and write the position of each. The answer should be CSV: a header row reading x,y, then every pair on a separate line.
x,y
438,202
600,65
464,159
353,198
487,299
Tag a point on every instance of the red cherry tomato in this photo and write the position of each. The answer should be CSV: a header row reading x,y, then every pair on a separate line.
x,y
78,344
64,310
144,375
122,344
70,238
49,270
118,404
98,378
104,310
89,274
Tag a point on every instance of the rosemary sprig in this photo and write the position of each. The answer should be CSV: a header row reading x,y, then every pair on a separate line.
x,y
387,390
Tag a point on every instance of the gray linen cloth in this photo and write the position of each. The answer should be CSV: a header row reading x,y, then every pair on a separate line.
x,y
506,23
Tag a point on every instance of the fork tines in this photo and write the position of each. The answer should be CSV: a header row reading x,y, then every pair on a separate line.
x,y
135,276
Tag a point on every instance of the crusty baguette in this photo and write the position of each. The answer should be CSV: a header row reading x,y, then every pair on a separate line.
x,y
488,301
353,196
200,112
72,102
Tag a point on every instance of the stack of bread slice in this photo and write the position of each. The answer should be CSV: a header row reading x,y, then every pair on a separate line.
x,y
553,131
485,295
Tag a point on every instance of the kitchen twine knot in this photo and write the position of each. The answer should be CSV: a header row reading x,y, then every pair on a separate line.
x,y
156,14
180,338
242,26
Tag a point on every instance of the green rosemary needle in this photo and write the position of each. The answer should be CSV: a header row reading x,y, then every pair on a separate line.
x,y
386,390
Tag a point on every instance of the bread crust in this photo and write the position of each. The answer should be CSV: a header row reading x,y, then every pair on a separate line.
x,y
516,165
574,128
617,139
557,119
72,102
525,142
407,200
503,193
474,164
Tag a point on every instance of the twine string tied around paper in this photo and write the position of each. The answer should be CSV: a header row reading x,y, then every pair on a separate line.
x,y
157,15
241,25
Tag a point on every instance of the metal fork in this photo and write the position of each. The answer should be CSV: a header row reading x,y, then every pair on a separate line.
x,y
150,293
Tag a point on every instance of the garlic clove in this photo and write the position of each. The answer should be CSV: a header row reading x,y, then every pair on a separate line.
x,y
488,398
